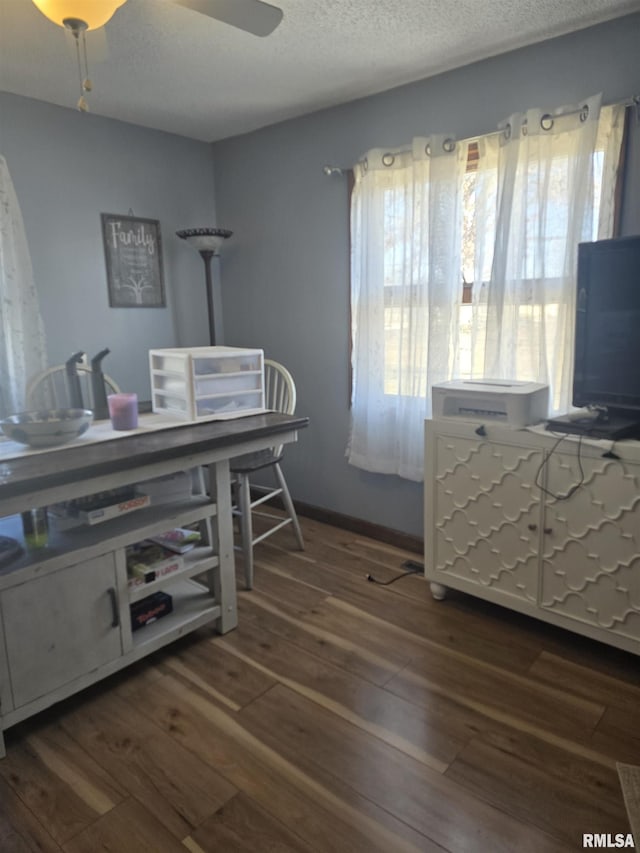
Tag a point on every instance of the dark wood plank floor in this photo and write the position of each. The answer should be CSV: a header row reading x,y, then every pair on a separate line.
x,y
341,715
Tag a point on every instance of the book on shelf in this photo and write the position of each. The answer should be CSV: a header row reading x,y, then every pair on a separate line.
x,y
94,509
147,561
180,539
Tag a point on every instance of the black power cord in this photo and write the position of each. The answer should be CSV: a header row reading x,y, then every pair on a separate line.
x,y
573,489
412,568
608,454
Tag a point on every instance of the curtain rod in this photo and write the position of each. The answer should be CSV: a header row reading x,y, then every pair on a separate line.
x,y
632,101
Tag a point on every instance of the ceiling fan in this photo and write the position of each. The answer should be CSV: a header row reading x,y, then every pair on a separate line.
x,y
79,16
253,16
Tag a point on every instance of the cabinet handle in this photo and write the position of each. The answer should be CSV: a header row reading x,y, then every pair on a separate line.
x,y
532,527
548,530
115,610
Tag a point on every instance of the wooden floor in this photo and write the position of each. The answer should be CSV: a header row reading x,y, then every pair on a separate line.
x,y
341,715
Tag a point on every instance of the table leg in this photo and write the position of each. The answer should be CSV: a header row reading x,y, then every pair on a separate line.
x,y
220,485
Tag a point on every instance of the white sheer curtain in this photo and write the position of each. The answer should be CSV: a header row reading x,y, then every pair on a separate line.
x,y
406,225
544,185
22,348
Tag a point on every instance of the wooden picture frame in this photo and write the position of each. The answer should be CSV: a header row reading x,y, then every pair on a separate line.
x,y
133,256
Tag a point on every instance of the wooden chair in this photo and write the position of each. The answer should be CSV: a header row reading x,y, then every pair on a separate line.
x,y
280,396
50,389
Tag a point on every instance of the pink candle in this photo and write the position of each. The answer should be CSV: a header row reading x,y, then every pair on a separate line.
x,y
123,410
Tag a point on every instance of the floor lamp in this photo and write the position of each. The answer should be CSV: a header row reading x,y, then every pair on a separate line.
x,y
208,242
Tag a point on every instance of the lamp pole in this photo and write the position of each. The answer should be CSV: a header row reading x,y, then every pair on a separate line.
x,y
207,255
207,241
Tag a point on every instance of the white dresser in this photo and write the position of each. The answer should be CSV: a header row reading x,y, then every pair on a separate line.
x,y
548,527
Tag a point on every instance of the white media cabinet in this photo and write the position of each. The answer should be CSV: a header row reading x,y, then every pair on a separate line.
x,y
545,526
64,609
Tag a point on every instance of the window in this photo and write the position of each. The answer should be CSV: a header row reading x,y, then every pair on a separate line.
x,y
402,300
463,265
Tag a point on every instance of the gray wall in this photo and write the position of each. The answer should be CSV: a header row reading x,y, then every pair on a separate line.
x,y
67,169
285,271
285,278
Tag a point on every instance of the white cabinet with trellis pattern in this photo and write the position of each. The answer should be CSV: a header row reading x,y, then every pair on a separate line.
x,y
545,525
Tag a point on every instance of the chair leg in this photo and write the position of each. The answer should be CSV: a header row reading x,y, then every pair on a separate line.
x,y
288,503
246,528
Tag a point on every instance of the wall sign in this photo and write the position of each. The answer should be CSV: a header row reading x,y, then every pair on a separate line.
x,y
133,253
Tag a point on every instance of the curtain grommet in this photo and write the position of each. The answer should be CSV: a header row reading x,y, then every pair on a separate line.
x,y
546,122
449,145
388,159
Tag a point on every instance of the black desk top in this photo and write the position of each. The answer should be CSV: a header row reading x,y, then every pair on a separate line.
x,y
66,464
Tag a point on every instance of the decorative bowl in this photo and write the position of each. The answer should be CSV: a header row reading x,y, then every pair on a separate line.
x,y
47,427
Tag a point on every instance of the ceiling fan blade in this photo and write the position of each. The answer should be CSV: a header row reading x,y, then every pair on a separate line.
x,y
254,16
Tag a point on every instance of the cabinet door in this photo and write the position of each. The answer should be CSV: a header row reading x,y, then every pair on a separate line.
x,y
591,552
486,511
60,627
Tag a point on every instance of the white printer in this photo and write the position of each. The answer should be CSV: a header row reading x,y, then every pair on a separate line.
x,y
510,402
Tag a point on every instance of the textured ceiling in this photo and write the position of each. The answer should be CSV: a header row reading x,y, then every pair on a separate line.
x,y
162,66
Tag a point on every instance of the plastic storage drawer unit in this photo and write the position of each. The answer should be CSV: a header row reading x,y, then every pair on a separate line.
x,y
201,383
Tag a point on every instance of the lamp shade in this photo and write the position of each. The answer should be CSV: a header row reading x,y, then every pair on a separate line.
x,y
205,239
95,13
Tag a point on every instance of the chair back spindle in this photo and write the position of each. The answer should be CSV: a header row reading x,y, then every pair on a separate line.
x,y
50,389
279,391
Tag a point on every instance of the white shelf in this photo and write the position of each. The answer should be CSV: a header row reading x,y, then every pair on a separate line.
x,y
197,561
87,541
193,606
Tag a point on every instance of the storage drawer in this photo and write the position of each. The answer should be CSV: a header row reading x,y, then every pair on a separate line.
x,y
207,382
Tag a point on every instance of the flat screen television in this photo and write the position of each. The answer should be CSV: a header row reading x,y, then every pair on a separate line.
x,y
607,349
